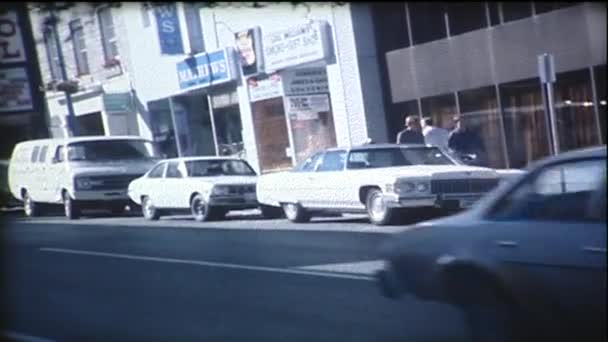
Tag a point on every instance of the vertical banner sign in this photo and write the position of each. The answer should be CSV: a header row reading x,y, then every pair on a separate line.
x,y
169,33
11,42
249,47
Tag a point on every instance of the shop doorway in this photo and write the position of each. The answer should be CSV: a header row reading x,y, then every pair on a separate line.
x,y
90,124
272,138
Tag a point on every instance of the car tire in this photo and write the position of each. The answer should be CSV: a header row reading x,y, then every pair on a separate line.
x,y
270,212
148,210
377,211
296,213
30,208
200,209
70,207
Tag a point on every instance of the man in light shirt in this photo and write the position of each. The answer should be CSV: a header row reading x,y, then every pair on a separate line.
x,y
434,136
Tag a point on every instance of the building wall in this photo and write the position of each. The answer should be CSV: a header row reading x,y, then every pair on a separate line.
x,y
576,36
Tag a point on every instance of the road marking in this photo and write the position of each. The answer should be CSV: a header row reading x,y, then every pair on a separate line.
x,y
360,267
13,336
210,264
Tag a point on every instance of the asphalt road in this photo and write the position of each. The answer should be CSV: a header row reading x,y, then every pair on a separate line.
x,y
243,279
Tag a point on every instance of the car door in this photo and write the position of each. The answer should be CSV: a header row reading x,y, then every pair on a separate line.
x,y
548,242
327,182
153,185
298,184
173,186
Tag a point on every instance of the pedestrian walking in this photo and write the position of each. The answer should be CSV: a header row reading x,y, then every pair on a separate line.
x,y
412,134
465,141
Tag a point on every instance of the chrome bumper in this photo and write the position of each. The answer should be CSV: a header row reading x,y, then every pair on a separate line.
x,y
463,201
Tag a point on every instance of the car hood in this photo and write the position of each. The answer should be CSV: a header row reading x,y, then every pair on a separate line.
x,y
111,168
435,171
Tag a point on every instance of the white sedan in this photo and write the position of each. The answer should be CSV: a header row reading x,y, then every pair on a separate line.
x,y
208,187
377,179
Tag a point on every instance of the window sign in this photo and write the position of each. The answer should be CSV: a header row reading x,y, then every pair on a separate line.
x,y
15,94
206,69
11,41
305,81
169,33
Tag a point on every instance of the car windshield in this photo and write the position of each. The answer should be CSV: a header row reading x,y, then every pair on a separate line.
x,y
108,150
391,157
211,168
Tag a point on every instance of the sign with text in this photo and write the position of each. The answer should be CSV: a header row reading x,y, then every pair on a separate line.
x,y
117,103
207,69
15,94
298,45
308,103
11,40
267,88
305,81
169,32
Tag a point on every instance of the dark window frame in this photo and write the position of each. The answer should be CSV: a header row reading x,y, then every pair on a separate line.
x,y
319,165
174,176
107,26
161,166
80,48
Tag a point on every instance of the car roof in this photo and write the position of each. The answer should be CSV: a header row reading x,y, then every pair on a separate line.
x,y
590,152
180,159
367,147
85,138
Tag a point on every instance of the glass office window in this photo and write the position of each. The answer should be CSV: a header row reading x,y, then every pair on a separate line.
x,y
161,124
543,7
427,21
515,10
441,109
397,115
575,116
600,88
193,125
390,17
525,123
493,11
480,114
466,16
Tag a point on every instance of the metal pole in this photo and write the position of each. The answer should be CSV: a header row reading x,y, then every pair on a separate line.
x,y
211,114
175,130
552,118
71,118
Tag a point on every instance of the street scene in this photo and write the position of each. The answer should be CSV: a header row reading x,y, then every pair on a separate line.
x,y
274,171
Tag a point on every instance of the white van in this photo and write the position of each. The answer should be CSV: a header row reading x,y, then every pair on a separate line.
x,y
79,172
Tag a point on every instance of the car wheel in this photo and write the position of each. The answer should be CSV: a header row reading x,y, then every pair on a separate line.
x,y
70,207
30,208
200,209
270,212
296,213
377,210
148,209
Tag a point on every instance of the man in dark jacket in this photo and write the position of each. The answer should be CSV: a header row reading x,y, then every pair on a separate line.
x,y
412,134
465,140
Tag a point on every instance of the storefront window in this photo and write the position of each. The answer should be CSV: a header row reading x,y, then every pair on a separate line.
x,y
228,126
525,121
600,88
441,109
271,135
480,114
312,130
193,125
161,124
575,117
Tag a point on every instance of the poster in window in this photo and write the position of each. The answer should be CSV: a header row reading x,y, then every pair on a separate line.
x,y
248,44
15,94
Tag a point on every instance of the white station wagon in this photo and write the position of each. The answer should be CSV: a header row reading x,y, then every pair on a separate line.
x,y
377,179
207,186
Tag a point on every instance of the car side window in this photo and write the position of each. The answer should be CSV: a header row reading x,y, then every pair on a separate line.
x,y
309,164
558,192
332,161
173,170
157,171
34,156
42,154
59,154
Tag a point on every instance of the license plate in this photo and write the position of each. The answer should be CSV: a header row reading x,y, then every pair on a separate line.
x,y
467,203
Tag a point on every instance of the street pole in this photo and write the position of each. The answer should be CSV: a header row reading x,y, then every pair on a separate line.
x,y
546,71
71,117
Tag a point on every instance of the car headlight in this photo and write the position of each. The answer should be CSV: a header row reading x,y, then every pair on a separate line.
x,y
405,187
83,183
220,190
422,187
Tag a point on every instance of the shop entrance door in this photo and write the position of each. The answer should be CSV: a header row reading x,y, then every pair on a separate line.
x,y
271,134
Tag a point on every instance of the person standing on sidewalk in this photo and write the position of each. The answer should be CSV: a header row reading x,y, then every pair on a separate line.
x,y
412,134
434,136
